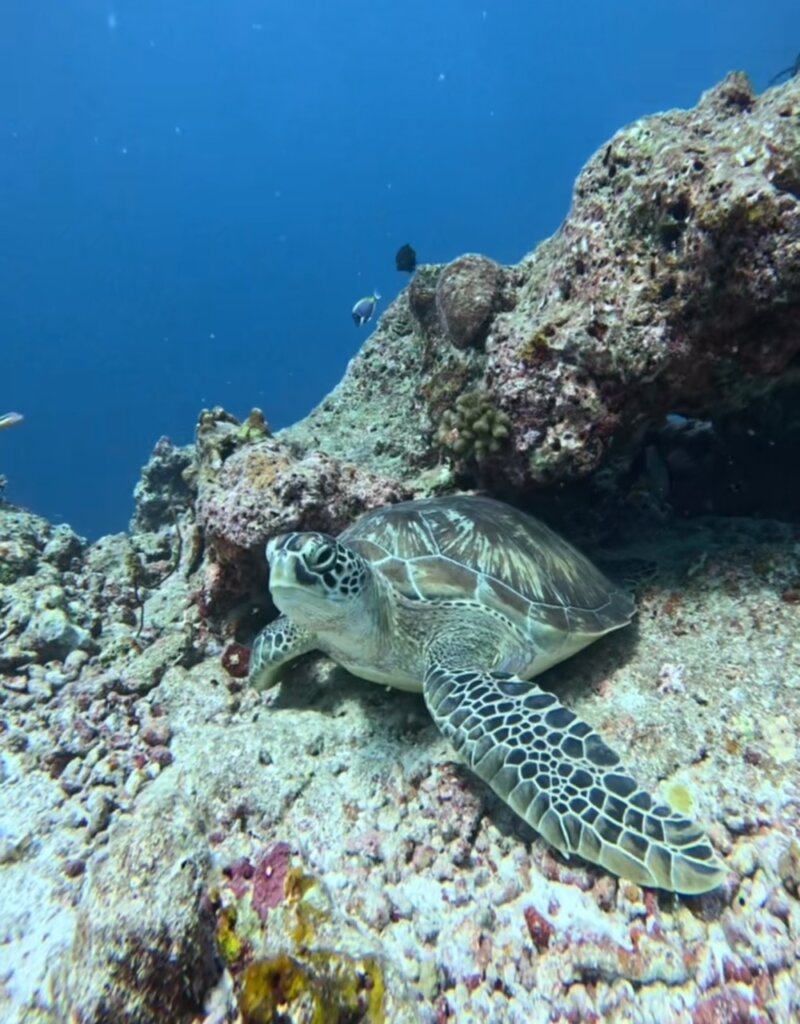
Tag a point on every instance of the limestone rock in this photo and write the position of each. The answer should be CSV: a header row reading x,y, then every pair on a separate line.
x,y
143,950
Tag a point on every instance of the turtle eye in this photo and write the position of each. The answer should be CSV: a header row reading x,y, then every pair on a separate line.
x,y
321,558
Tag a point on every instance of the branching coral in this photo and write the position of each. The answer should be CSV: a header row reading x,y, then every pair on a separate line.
x,y
475,428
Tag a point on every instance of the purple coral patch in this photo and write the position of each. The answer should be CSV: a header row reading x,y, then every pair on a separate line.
x,y
269,879
239,874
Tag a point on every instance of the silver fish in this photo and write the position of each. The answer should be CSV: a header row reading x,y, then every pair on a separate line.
x,y
364,308
10,419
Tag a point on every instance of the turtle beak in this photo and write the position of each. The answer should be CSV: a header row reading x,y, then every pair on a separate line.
x,y
275,545
281,561
281,574
286,585
288,569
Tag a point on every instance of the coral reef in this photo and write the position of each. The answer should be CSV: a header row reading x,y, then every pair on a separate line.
x,y
175,846
293,955
46,615
673,283
164,486
262,489
144,943
324,838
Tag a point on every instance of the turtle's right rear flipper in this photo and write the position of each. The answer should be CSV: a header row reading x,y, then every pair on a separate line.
x,y
557,773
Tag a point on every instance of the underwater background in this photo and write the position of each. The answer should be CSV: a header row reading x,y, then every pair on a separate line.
x,y
200,203
194,195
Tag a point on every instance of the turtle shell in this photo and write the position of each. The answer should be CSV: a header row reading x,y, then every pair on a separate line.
x,y
474,548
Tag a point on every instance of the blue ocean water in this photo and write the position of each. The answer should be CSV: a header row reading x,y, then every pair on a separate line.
x,y
194,193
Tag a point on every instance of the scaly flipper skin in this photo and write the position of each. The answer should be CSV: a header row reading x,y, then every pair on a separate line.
x,y
279,642
564,781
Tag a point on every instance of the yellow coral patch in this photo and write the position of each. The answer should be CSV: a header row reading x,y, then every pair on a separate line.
x,y
327,987
679,798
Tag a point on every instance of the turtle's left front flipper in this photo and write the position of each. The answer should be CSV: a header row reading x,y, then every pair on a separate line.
x,y
278,643
558,774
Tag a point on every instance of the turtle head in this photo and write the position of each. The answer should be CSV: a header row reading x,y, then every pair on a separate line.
x,y
314,579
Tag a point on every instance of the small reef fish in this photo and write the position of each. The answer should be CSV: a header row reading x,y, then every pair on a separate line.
x,y
406,259
676,424
10,419
364,308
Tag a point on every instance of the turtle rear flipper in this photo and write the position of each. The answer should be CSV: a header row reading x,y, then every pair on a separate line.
x,y
632,574
563,780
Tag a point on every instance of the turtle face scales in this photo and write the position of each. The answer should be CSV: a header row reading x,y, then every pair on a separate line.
x,y
314,579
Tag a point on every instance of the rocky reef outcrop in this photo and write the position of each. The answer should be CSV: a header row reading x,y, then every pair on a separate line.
x,y
671,289
672,286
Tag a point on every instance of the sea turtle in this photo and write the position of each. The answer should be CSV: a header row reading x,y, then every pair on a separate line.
x,y
465,598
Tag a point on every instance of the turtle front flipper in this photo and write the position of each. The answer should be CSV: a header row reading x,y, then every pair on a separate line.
x,y
279,642
563,780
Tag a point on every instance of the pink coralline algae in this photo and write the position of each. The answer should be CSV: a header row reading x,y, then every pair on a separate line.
x,y
239,875
262,490
250,490
236,660
539,928
269,879
728,1007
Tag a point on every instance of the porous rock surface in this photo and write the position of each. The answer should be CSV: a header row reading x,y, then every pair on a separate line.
x,y
144,946
672,286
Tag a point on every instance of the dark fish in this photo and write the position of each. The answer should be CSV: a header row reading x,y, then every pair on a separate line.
x,y
406,259
364,308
